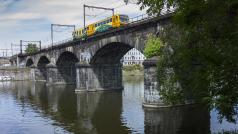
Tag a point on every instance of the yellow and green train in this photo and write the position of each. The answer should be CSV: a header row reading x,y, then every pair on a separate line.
x,y
115,21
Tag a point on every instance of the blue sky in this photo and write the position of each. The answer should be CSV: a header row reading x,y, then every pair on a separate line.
x,y
31,19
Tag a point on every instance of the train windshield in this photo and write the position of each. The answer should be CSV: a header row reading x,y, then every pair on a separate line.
x,y
124,18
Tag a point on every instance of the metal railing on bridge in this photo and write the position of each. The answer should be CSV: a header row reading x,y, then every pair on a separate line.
x,y
144,17
140,18
57,43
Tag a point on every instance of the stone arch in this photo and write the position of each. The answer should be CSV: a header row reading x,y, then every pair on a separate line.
x,y
39,57
43,61
104,71
66,66
63,51
121,43
110,53
41,66
29,62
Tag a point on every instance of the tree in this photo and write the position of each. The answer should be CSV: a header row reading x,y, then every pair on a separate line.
x,y
205,50
31,48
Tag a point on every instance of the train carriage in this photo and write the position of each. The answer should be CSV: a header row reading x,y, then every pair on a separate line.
x,y
103,25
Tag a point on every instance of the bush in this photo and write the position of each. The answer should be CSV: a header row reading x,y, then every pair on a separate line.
x,y
170,88
153,46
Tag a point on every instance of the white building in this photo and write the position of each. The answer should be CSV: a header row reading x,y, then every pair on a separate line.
x,y
133,57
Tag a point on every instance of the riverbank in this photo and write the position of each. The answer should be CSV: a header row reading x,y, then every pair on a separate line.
x,y
133,73
14,74
133,70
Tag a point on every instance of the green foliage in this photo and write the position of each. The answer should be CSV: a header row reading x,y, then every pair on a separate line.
x,y
152,47
31,48
132,67
170,89
154,6
204,51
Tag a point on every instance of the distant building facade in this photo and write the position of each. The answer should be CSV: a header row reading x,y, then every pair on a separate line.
x,y
133,57
4,61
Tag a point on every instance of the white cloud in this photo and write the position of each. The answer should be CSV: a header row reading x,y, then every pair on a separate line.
x,y
19,16
13,23
63,11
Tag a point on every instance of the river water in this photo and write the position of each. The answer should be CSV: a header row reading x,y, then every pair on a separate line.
x,y
34,108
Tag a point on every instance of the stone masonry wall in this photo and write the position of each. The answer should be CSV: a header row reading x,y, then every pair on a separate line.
x,y
100,77
15,74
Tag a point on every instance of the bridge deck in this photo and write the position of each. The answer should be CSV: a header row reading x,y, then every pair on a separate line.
x,y
133,25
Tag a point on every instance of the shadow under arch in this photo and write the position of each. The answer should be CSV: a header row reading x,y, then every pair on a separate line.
x,y
29,62
66,67
41,66
110,53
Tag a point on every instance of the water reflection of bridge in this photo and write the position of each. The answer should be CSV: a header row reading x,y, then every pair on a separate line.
x,y
101,112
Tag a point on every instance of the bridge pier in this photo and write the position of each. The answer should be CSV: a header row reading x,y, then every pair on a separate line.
x,y
98,77
33,74
53,76
38,73
151,84
56,75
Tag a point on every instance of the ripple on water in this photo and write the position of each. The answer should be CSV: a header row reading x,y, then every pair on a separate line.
x,y
37,109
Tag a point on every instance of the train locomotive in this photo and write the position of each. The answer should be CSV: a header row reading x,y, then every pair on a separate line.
x,y
114,21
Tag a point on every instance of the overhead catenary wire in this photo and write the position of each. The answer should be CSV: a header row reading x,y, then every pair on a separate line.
x,y
102,13
131,1
117,1
114,8
112,3
62,29
58,25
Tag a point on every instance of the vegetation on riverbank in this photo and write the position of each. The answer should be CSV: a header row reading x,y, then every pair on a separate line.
x,y
133,70
132,67
131,78
133,73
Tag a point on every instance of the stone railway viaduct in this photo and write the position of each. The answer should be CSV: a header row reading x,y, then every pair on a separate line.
x,y
94,64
